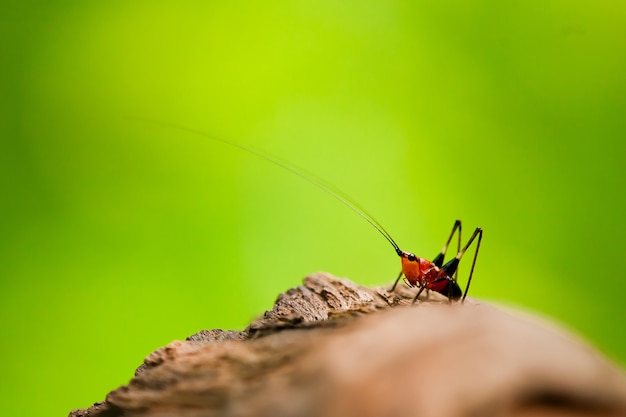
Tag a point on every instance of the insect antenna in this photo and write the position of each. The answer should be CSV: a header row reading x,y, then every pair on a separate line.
x,y
305,175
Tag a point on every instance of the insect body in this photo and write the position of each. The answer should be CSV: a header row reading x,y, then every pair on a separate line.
x,y
419,272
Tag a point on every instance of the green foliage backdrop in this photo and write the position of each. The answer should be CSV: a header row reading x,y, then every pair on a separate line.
x,y
118,236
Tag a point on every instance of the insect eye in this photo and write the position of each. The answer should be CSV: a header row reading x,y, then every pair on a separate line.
x,y
411,257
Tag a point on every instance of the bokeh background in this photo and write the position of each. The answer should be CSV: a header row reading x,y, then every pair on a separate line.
x,y
118,236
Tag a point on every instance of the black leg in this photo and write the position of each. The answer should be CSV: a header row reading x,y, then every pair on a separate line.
x,y
458,249
438,261
396,283
422,287
478,232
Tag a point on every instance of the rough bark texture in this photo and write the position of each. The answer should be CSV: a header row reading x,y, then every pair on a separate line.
x,y
333,348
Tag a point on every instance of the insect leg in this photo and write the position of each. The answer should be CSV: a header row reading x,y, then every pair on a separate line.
x,y
458,248
396,283
422,288
478,232
438,261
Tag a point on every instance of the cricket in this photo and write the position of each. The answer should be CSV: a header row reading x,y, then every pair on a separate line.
x,y
418,272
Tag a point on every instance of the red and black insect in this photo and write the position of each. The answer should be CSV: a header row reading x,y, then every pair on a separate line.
x,y
434,275
419,272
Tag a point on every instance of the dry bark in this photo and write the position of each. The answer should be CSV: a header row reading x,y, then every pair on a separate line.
x,y
333,348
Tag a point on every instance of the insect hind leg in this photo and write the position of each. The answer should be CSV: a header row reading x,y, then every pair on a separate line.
x,y
438,260
477,233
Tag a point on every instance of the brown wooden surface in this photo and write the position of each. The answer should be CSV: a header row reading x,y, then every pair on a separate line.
x,y
332,348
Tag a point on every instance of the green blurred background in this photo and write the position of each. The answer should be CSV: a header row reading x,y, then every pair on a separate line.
x,y
119,236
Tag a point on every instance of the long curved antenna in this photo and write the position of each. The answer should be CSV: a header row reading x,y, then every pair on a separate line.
x,y
307,176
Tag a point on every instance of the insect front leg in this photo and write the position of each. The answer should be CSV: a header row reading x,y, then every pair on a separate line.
x,y
396,283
